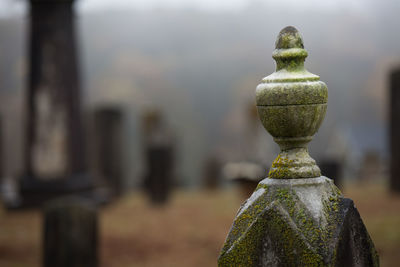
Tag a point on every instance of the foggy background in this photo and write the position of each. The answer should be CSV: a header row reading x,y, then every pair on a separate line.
x,y
200,62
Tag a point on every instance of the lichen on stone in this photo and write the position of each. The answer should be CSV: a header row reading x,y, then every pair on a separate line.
x,y
278,225
295,217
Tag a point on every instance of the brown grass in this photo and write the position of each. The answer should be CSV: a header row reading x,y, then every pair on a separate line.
x,y
189,231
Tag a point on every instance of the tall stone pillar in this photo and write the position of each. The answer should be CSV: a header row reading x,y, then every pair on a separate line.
x,y
395,131
54,148
295,217
108,146
159,156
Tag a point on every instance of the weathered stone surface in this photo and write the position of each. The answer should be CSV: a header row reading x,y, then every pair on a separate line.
x,y
70,233
295,217
291,104
298,222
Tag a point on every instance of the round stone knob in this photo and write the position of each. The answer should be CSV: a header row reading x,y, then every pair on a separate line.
x,y
291,104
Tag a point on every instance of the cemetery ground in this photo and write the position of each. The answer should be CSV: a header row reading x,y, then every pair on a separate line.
x,y
188,231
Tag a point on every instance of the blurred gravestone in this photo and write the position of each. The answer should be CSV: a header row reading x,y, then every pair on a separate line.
x,y
55,161
370,166
295,217
212,173
332,168
1,153
246,174
8,192
248,171
107,134
70,233
395,131
159,155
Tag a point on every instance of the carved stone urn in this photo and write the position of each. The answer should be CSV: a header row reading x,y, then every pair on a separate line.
x,y
292,103
295,217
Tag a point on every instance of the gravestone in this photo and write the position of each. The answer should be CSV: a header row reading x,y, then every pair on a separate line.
x,y
70,233
332,168
212,173
107,135
55,160
394,130
246,174
1,153
370,167
159,156
248,169
295,217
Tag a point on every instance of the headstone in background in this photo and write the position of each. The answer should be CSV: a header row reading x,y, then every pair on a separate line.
x,y
55,160
159,156
332,168
248,169
8,187
371,168
212,173
70,233
295,217
245,174
394,130
108,146
1,152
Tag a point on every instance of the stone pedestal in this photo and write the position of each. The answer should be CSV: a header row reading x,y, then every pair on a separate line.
x,y
298,222
70,233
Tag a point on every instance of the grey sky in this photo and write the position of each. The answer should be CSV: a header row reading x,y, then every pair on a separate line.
x,y
18,7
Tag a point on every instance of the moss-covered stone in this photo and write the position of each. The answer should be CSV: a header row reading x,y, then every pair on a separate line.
x,y
291,103
288,223
295,217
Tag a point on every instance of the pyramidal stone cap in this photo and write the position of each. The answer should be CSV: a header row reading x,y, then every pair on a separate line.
x,y
291,104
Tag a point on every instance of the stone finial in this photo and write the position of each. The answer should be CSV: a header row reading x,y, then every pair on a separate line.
x,y
291,104
304,221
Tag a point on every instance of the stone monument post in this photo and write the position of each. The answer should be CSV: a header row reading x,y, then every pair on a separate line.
x,y
159,156
295,217
70,233
108,146
54,153
212,173
395,131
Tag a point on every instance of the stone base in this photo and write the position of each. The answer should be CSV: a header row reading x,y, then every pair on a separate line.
x,y
298,222
70,233
34,192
